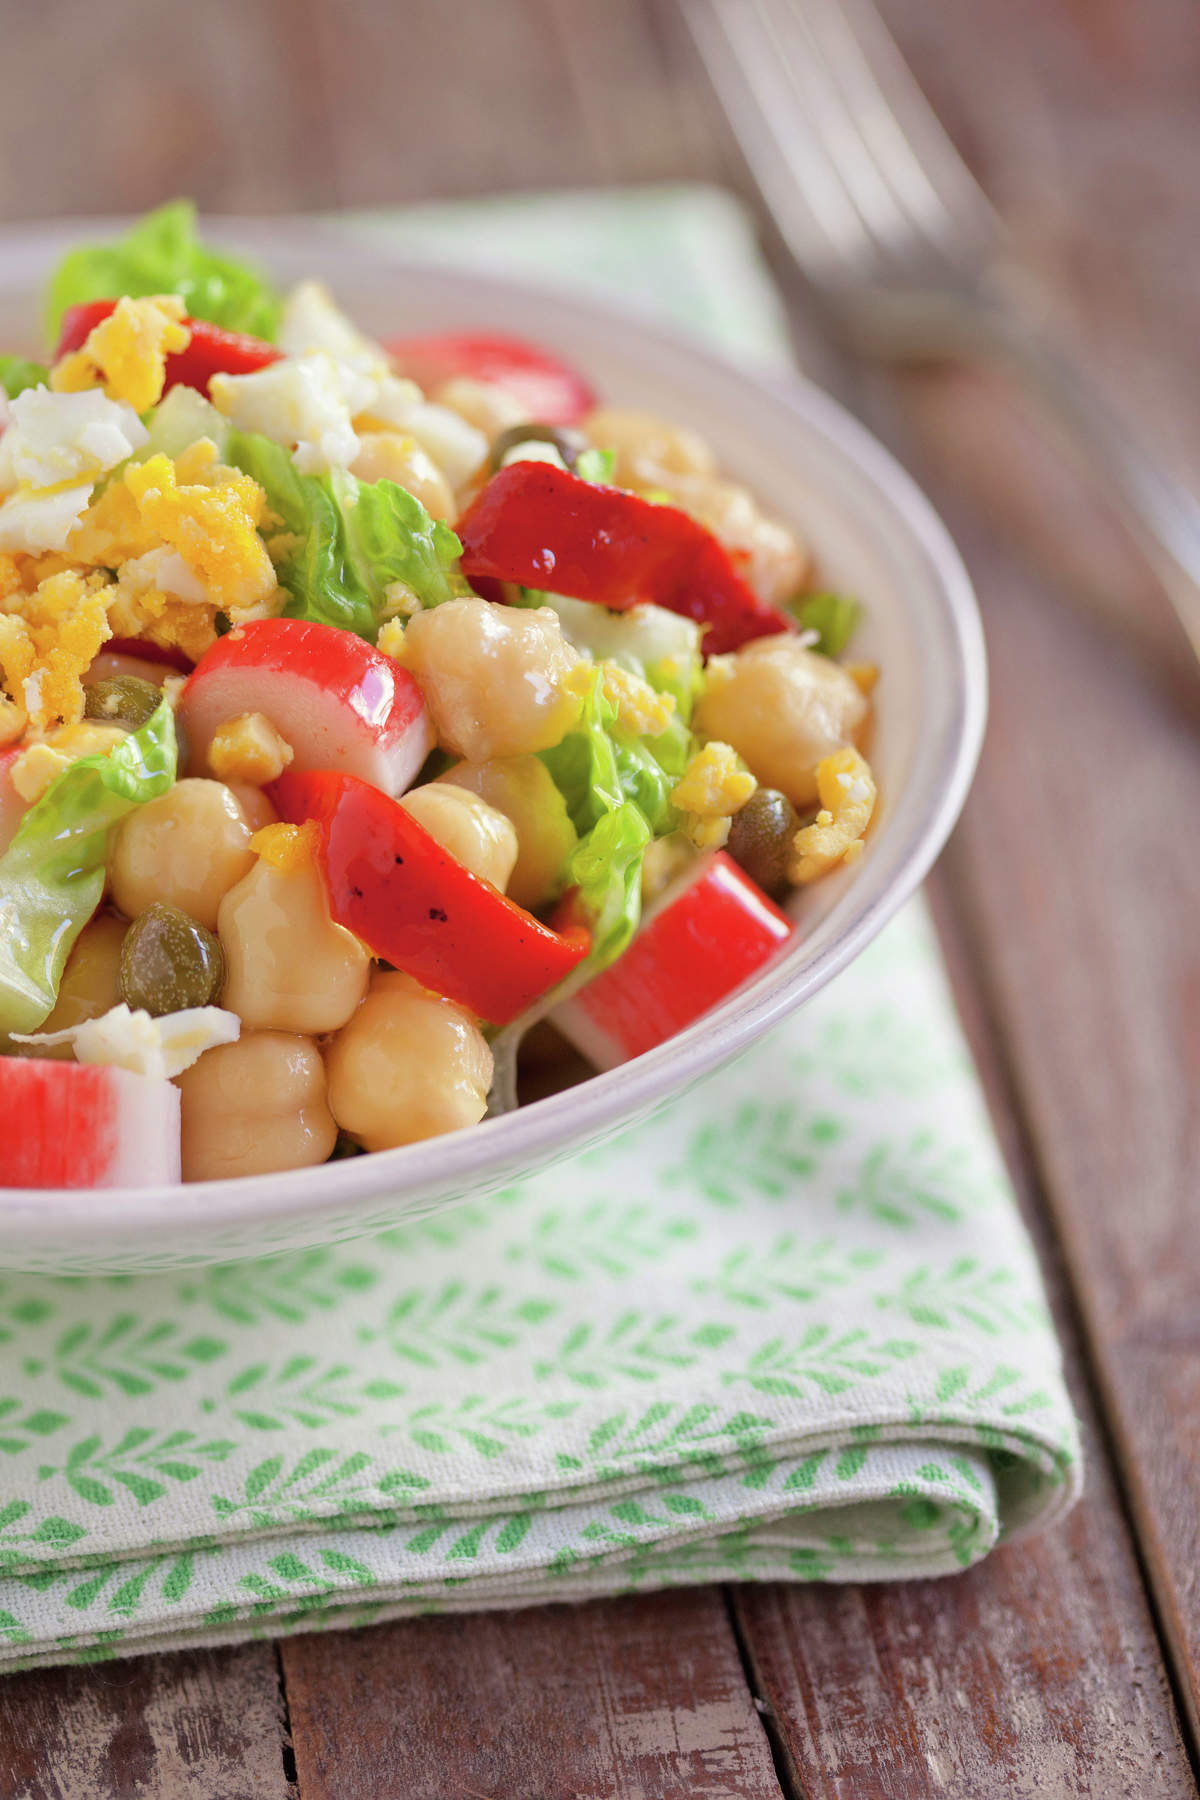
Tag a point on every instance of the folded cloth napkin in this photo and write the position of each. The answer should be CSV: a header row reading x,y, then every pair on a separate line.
x,y
791,1329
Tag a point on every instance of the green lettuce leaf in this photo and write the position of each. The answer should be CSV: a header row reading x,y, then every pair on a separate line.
x,y
161,254
348,539
17,374
52,874
617,790
606,867
834,618
390,537
596,465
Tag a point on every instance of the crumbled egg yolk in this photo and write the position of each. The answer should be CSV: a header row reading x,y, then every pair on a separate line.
x,y
847,791
33,771
391,640
212,522
400,601
714,786
865,676
35,768
288,848
250,749
47,639
126,353
639,707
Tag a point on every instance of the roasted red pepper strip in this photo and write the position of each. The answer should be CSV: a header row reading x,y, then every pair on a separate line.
x,y
211,351
551,392
410,902
539,526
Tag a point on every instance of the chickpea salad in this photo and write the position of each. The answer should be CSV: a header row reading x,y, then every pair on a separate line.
x,y
362,706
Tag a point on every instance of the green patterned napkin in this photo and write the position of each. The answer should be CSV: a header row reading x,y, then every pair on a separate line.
x,y
790,1329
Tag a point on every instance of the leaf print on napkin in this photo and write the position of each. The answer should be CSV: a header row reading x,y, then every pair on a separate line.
x,y
767,1149
302,1392
287,1288
142,1463
831,1362
126,1354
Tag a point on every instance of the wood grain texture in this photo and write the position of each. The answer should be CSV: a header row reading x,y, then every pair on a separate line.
x,y
1037,1674
1077,859
617,1700
1073,883
203,1725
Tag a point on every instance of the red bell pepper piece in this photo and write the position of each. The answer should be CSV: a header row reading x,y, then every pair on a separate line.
x,y
544,528
410,902
211,351
552,393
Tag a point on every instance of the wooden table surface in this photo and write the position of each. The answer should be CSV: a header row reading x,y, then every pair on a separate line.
x,y
1067,902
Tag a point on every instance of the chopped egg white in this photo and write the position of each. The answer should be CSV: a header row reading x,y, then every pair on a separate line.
x,y
34,523
54,448
313,321
161,1048
163,570
307,402
54,439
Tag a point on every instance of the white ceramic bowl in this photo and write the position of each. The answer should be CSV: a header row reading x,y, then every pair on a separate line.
x,y
873,532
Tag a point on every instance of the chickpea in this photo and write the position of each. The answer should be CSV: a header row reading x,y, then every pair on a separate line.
x,y
475,834
521,787
492,677
255,1106
91,981
649,450
390,456
783,708
188,847
288,966
256,808
409,1065
489,408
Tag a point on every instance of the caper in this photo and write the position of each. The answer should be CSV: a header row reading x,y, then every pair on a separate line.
x,y
123,700
169,961
569,444
760,839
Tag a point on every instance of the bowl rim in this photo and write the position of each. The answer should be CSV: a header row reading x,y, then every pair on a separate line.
x,y
554,1126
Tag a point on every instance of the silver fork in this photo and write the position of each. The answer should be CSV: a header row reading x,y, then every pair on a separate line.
x,y
884,218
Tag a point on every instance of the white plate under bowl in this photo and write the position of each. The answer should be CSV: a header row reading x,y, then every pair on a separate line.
x,y
873,533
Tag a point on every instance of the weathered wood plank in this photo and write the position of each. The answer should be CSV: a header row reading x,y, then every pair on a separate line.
x,y
200,1725
1037,1674
619,1699
1077,857
117,112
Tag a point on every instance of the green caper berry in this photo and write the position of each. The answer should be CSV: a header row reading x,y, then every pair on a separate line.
x,y
567,443
124,700
169,961
760,839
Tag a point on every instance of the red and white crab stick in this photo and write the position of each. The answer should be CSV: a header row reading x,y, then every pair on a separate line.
x,y
705,938
340,703
85,1125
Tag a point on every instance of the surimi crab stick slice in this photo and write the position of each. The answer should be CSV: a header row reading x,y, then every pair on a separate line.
x,y
707,936
85,1125
340,703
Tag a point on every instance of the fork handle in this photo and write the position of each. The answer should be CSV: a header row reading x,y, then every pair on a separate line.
x,y
1162,513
